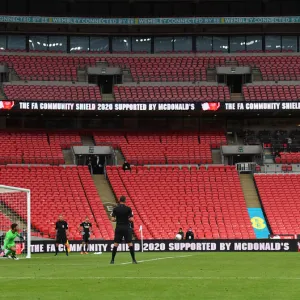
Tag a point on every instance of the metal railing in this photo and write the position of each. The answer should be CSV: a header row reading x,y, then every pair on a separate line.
x,y
246,167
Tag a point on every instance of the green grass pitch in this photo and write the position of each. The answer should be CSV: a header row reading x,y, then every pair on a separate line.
x,y
159,276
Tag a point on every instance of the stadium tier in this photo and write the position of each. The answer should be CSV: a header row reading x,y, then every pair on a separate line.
x,y
149,68
271,92
171,93
52,93
46,148
32,147
164,199
161,148
279,194
57,190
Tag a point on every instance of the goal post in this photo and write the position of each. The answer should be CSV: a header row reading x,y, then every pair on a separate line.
x,y
15,207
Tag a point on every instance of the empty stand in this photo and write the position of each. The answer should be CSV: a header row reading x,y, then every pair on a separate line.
x,y
65,139
4,221
167,198
279,194
50,92
161,148
36,147
273,68
112,139
171,93
271,92
288,158
57,190
149,67
31,148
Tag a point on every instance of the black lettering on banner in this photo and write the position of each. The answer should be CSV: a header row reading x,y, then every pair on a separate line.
x,y
179,246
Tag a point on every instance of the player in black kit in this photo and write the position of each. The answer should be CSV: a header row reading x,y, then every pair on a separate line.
x,y
61,227
86,232
122,214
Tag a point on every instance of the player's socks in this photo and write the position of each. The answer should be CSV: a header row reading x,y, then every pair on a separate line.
x,y
114,252
13,255
131,249
7,253
67,253
56,250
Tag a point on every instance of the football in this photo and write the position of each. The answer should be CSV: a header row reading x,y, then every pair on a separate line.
x,y
178,237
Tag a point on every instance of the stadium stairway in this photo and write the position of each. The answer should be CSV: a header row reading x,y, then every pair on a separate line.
x,y
2,94
108,98
256,74
87,140
236,97
120,158
68,157
105,192
249,190
216,156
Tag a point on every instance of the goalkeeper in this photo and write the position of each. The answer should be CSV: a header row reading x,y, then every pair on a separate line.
x,y
9,242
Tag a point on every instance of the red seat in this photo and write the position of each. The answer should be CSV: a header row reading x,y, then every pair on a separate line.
x,y
56,190
210,201
279,196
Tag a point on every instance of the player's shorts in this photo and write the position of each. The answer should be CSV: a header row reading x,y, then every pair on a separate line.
x,y
61,239
123,232
86,238
8,246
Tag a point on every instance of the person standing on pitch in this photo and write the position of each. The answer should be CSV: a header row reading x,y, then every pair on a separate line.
x,y
86,233
61,227
122,214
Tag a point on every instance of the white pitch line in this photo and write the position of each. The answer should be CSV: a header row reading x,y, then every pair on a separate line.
x,y
150,278
159,258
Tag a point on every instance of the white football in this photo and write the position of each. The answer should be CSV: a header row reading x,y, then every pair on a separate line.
x,y
178,237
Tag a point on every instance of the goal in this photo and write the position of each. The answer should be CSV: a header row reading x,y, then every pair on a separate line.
x,y
15,208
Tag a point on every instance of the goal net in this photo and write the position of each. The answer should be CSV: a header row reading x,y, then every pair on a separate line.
x,y
15,208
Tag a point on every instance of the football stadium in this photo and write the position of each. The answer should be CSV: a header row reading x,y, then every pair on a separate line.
x,y
149,149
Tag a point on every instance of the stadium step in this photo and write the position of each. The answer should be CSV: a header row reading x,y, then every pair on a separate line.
x,y
108,98
2,94
81,75
236,97
216,156
127,77
87,140
13,76
105,192
68,157
256,75
211,75
249,190
120,158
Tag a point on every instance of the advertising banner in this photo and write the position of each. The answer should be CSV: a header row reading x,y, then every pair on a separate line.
x,y
91,106
149,21
177,246
144,106
259,223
